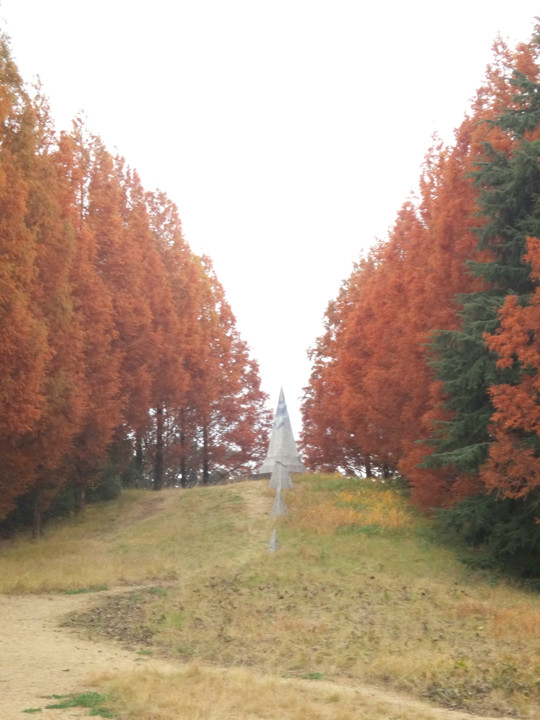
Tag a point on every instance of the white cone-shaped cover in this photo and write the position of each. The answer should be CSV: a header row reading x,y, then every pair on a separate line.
x,y
282,445
278,508
280,479
273,545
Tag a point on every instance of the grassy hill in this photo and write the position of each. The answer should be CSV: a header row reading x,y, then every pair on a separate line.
x,y
360,591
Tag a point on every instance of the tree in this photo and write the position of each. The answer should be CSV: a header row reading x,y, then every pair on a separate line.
x,y
25,347
51,439
509,180
180,336
326,441
372,392
99,372
224,424
513,465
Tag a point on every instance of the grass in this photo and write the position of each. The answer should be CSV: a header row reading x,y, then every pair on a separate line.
x,y
196,691
360,591
93,701
140,537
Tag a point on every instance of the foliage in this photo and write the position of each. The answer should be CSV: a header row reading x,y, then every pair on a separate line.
x,y
457,416
91,700
372,395
470,373
121,356
513,465
504,531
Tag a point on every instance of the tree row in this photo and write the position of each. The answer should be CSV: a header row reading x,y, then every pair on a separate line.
x,y
120,354
428,366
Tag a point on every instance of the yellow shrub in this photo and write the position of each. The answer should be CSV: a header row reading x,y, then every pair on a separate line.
x,y
375,507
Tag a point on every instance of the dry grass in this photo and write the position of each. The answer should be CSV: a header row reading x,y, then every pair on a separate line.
x,y
141,537
359,591
504,622
362,506
198,692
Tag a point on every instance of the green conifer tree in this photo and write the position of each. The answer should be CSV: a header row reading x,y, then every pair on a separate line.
x,y
509,184
509,201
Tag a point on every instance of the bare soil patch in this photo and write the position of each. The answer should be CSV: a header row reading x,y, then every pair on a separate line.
x,y
38,658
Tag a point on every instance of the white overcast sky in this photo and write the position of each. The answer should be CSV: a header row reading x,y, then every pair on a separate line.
x,y
288,132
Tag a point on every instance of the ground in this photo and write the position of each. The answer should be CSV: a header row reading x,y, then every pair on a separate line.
x,y
39,658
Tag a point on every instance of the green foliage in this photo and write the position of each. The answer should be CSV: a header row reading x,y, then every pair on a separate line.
x,y
91,700
109,487
504,531
526,115
62,506
510,188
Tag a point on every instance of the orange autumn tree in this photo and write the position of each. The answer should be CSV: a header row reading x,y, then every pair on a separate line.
x,y
513,465
25,348
183,279
223,427
377,374
325,440
235,432
169,326
507,180
121,262
99,370
380,377
174,297
486,439
106,348
51,439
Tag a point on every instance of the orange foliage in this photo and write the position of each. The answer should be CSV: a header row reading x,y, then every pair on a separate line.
x,y
110,325
513,466
371,392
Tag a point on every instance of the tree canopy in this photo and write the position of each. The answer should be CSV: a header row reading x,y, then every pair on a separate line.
x,y
428,364
120,354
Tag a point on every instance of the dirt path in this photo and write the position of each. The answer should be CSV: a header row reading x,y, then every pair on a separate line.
x,y
38,658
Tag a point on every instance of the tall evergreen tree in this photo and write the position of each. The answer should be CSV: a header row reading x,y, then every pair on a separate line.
x,y
476,382
509,181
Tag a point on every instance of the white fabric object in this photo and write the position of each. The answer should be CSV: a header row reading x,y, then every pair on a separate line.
x,y
280,479
282,446
273,545
278,508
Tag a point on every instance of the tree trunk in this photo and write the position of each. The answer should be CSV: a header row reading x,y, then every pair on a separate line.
x,y
80,498
158,459
367,463
206,460
183,464
37,517
139,459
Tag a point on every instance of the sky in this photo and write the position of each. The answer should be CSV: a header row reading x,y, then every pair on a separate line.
x,y
288,132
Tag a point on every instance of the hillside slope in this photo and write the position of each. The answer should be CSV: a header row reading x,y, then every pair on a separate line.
x,y
359,592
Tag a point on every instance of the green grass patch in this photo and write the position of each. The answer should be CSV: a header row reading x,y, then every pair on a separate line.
x,y
93,701
312,676
83,591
